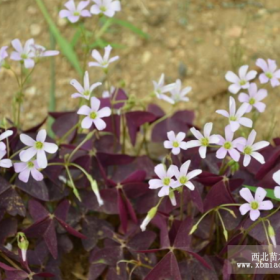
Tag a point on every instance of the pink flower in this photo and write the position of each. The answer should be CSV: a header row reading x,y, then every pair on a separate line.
x,y
106,7
236,117
86,90
270,72
5,163
38,148
256,204
104,61
40,51
108,94
249,149
3,55
24,54
175,142
203,140
178,94
25,168
184,177
241,81
254,98
94,115
276,178
74,13
228,145
3,136
160,89
165,181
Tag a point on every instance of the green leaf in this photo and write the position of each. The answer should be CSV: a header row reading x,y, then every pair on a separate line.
x,y
269,192
52,101
100,43
132,27
64,45
76,38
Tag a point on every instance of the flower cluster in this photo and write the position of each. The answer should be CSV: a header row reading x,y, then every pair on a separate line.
x,y
74,12
177,94
166,181
27,54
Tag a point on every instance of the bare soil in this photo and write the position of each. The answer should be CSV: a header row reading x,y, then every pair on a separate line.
x,y
196,41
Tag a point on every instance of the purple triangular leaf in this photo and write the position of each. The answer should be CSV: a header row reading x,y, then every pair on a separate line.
x,y
134,120
51,239
37,210
62,210
12,203
70,229
63,123
156,110
183,239
180,121
122,211
34,188
160,222
218,194
137,176
167,268
142,240
4,185
200,259
8,229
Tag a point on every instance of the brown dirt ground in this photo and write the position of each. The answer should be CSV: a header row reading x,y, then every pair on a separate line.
x,y
192,40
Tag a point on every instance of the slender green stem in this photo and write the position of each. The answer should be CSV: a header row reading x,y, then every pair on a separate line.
x,y
72,182
123,133
231,204
81,144
12,263
56,163
13,178
182,203
152,125
68,133
222,223
16,153
266,234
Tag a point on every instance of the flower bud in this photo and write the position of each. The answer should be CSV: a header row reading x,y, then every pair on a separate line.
x,y
23,244
172,198
148,218
225,234
194,228
271,234
95,189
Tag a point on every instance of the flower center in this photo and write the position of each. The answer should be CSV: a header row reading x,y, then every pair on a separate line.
x,y
103,9
86,93
166,181
24,56
76,13
204,142
243,82
30,164
183,180
248,150
233,118
227,145
254,205
39,145
175,144
269,75
252,101
93,115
